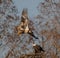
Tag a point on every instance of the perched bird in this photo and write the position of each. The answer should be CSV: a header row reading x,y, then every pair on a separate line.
x,y
37,48
24,25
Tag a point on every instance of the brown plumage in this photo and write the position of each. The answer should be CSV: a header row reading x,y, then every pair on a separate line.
x,y
37,48
24,25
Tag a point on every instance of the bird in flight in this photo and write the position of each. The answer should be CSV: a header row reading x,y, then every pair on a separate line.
x,y
23,27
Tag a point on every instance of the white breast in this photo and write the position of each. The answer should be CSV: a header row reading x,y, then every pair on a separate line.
x,y
26,29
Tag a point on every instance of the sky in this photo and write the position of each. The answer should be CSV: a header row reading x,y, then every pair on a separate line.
x,y
30,4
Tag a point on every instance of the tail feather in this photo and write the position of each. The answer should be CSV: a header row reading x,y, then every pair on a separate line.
x,y
31,33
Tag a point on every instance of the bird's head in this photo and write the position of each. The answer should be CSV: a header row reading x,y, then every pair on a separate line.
x,y
25,12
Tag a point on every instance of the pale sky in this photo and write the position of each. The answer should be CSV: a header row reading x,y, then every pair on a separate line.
x,y
30,4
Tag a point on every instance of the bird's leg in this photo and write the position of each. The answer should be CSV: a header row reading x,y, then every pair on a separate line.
x,y
31,33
